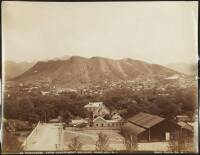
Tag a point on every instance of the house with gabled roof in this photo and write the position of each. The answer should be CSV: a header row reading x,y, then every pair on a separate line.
x,y
100,122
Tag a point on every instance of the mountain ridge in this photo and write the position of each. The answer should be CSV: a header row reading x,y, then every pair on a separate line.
x,y
79,70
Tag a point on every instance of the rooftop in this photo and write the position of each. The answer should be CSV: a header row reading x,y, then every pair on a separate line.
x,y
99,117
185,126
79,121
133,129
93,104
145,120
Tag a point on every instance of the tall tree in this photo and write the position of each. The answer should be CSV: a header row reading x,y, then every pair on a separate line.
x,y
102,144
131,142
75,144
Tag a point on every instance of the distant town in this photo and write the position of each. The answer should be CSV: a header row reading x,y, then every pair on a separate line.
x,y
163,86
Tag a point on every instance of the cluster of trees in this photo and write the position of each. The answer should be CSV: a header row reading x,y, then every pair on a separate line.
x,y
178,101
10,144
34,107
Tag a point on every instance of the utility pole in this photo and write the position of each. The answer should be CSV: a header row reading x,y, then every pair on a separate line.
x,y
149,135
60,137
131,142
45,116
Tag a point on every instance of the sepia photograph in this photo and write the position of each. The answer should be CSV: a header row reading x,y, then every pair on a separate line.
x,y
99,77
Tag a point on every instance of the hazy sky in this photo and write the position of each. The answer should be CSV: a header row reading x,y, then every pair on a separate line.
x,y
157,32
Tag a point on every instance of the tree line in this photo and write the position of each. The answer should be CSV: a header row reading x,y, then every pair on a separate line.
x,y
34,107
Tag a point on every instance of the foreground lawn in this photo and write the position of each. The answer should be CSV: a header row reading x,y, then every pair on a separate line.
x,y
89,137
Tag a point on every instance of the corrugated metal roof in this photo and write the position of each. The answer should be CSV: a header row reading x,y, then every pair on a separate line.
x,y
145,120
133,129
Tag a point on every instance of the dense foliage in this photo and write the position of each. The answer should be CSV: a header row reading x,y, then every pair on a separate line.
x,y
33,106
178,101
10,144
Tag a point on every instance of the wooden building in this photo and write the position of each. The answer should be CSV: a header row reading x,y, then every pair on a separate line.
x,y
100,122
186,129
182,118
149,127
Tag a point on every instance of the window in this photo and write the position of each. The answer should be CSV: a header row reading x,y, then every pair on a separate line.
x,y
101,124
96,124
113,124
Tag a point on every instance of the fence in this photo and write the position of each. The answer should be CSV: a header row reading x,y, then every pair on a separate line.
x,y
92,128
31,135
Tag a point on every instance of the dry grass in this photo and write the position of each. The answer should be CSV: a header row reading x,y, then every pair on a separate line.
x,y
89,137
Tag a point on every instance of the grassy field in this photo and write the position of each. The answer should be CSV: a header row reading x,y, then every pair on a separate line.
x,y
89,137
47,138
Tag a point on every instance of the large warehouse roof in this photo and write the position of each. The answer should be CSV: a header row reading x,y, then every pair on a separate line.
x,y
145,120
132,129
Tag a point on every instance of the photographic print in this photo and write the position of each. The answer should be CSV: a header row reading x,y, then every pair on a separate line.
x,y
100,77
